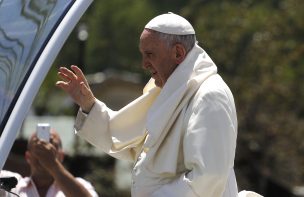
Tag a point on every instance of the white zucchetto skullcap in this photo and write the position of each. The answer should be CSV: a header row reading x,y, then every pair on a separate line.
x,y
170,23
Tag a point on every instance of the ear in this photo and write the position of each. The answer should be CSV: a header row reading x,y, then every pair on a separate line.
x,y
180,53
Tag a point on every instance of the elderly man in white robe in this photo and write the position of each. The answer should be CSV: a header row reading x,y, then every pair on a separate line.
x,y
181,133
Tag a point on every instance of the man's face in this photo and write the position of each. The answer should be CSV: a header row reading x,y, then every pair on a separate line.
x,y
157,58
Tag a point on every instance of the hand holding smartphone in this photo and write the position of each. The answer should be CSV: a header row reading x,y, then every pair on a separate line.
x,y
43,131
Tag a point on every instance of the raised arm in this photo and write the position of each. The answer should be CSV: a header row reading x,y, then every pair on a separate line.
x,y
50,159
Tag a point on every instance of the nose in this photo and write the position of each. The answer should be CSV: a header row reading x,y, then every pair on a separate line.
x,y
145,63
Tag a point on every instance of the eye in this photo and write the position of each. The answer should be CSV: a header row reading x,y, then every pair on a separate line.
x,y
149,54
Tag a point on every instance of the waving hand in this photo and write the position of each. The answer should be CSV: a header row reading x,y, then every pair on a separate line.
x,y
75,84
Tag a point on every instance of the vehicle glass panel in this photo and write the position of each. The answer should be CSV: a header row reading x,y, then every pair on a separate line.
x,y
25,28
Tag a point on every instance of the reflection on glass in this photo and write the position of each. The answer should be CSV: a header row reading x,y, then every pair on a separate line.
x,y
25,27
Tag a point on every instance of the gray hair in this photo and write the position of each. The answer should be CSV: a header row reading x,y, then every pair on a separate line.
x,y
187,41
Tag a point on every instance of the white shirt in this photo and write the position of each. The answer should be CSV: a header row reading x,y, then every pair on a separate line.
x,y
27,188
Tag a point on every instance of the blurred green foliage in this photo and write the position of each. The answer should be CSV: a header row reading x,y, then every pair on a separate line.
x,y
258,47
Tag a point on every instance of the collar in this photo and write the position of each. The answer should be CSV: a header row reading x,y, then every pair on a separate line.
x,y
178,89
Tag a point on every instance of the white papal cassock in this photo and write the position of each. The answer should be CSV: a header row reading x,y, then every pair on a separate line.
x,y
181,138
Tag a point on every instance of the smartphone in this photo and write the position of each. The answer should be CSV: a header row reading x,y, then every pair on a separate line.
x,y
43,131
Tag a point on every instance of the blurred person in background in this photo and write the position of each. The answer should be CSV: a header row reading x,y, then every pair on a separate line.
x,y
49,178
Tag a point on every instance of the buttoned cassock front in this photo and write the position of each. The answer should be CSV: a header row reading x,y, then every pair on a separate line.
x,y
181,138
